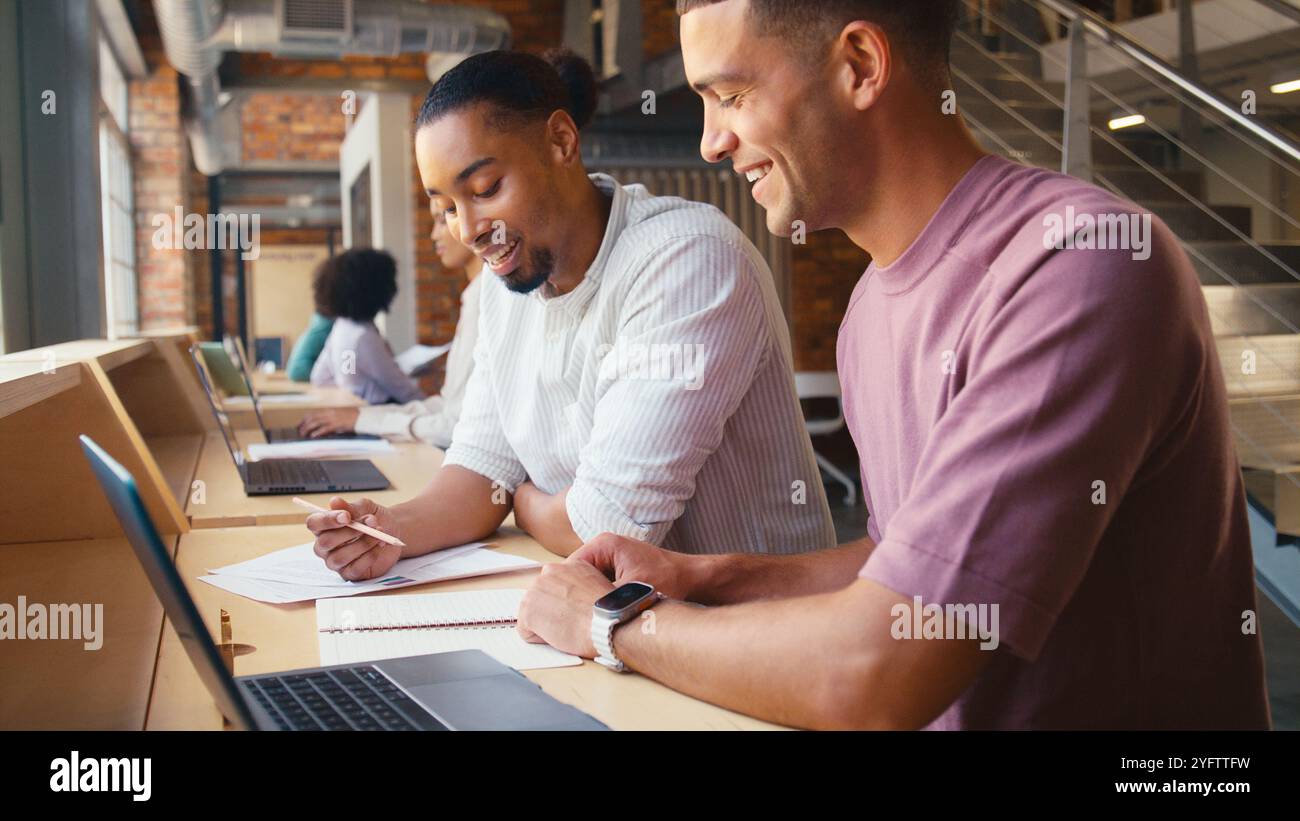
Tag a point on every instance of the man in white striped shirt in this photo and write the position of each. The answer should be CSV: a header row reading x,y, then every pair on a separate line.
x,y
633,371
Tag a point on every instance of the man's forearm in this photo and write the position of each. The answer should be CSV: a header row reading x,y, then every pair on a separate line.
x,y
740,577
826,661
795,661
548,521
456,507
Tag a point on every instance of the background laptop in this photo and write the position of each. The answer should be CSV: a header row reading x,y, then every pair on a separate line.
x,y
221,369
286,476
464,690
276,434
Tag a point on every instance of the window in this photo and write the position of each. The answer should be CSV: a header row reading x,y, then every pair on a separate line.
x,y
120,306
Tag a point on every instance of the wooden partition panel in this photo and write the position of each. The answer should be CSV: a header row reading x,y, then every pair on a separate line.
x,y
162,393
47,491
155,382
180,340
99,676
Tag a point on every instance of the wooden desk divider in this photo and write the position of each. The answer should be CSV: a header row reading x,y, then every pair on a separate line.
x,y
70,683
63,545
123,394
180,339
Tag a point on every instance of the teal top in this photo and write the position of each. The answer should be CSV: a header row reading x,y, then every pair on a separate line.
x,y
308,347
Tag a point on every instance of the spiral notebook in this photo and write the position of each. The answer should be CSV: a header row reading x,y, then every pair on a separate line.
x,y
369,628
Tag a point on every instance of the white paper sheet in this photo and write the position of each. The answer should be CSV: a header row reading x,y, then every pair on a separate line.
x,y
418,357
318,449
298,574
246,402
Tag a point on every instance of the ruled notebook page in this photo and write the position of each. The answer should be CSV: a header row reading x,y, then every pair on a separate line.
x,y
369,628
418,610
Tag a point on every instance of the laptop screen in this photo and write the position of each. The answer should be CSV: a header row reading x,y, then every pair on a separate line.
x,y
242,362
223,420
124,497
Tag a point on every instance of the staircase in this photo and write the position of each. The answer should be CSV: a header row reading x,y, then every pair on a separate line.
x,y
1254,302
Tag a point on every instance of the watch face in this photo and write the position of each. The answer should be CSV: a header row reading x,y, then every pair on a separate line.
x,y
624,597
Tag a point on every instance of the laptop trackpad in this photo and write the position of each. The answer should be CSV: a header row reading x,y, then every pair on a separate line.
x,y
502,702
412,671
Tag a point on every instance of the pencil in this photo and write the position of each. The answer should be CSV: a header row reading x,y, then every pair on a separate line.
x,y
366,529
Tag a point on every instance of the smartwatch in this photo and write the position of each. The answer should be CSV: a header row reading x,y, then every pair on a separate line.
x,y
622,604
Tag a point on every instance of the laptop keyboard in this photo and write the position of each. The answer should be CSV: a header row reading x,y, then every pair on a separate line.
x,y
284,472
353,698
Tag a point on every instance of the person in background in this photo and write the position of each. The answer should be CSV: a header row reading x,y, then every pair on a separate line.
x,y
353,287
308,347
428,420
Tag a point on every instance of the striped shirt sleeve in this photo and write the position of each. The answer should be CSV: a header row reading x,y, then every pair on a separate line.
x,y
478,441
420,420
692,336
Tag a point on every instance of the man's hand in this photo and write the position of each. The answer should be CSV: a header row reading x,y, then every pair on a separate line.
x,y
350,553
557,609
334,420
628,560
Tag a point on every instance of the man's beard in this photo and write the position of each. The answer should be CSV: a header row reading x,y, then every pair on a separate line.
x,y
528,278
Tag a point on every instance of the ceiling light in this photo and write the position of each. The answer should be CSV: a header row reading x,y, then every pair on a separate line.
x,y
1126,121
1285,87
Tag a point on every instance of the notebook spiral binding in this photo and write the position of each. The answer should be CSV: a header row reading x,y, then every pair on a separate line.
x,y
459,625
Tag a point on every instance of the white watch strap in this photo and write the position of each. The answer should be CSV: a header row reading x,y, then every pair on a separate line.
x,y
602,638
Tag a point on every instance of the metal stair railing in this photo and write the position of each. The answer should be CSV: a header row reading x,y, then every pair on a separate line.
x,y
1083,23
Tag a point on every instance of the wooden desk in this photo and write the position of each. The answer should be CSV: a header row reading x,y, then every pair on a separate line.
x,y
285,638
59,684
277,382
409,468
281,410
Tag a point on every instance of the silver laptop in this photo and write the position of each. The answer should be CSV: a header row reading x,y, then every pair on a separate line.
x,y
463,690
281,477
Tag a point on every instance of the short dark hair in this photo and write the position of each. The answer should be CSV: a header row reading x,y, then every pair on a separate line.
x,y
521,87
920,29
356,284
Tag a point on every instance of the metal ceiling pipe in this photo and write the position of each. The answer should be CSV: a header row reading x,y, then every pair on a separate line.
x,y
184,25
379,28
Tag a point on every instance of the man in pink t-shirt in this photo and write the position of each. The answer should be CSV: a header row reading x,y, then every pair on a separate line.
x,y
1048,430
1058,533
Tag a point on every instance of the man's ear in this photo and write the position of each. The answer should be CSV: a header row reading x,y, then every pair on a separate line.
x,y
864,62
562,138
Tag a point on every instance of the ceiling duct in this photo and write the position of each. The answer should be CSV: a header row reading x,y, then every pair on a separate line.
x,y
196,33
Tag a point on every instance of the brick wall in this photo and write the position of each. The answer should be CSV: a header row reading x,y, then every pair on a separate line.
x,y
409,67
292,127
658,27
824,271
536,25
160,162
